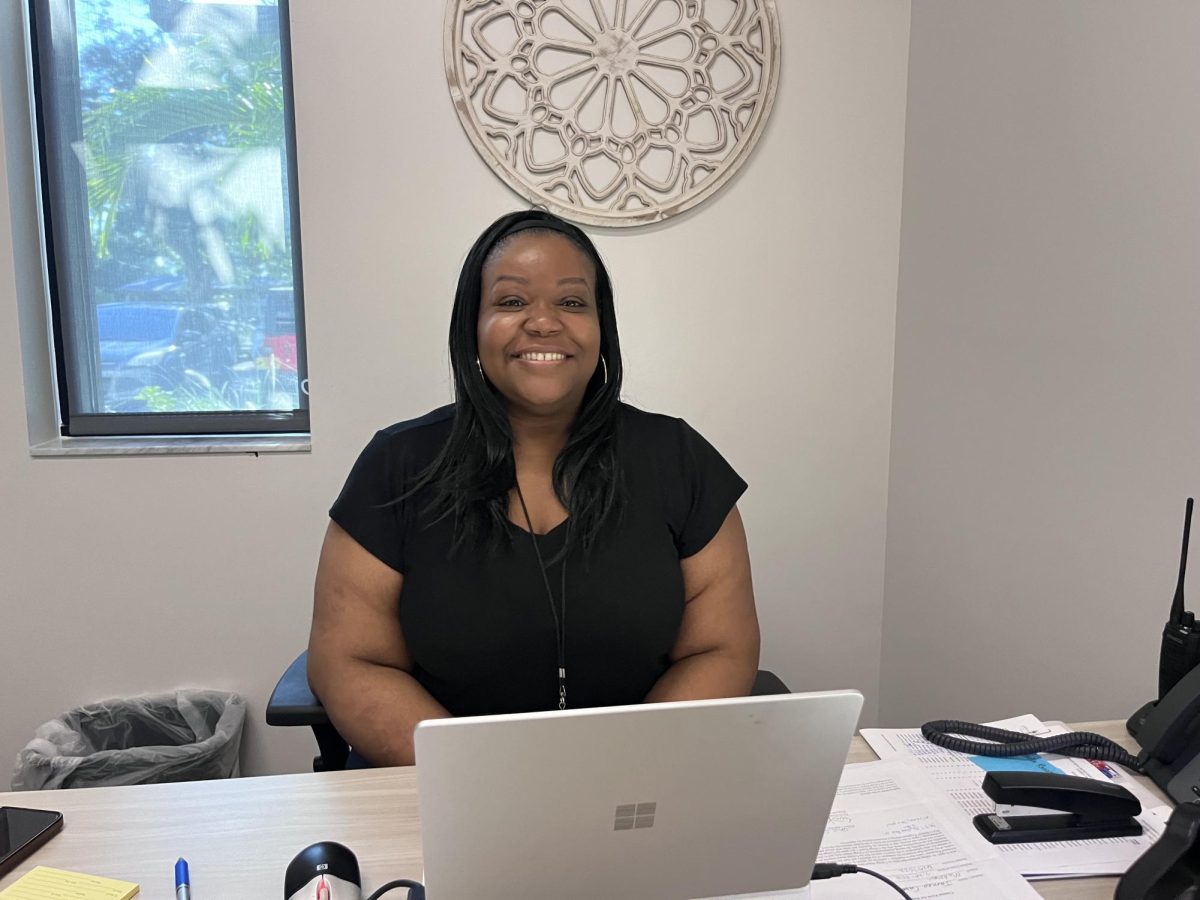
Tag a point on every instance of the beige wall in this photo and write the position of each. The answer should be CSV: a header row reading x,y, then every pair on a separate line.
x,y
1046,426
765,317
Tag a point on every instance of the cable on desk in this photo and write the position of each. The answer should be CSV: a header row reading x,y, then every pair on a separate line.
x,y
416,890
1082,744
835,870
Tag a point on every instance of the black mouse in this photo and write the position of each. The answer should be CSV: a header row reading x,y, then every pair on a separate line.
x,y
324,871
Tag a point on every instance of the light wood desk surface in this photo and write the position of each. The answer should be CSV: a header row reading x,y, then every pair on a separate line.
x,y
239,835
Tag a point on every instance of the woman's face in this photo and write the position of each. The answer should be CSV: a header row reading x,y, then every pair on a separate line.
x,y
539,329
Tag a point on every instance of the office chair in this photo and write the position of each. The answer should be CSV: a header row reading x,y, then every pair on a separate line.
x,y
293,703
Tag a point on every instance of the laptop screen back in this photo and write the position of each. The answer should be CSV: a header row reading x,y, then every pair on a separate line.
x,y
672,800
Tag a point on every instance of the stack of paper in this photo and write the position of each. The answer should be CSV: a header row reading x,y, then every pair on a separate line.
x,y
959,778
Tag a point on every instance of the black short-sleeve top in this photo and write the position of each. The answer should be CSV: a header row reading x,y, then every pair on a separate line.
x,y
478,623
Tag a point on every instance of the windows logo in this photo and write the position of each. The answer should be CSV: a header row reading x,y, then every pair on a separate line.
x,y
634,815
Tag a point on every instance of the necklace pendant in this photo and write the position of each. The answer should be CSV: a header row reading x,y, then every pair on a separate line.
x,y
562,696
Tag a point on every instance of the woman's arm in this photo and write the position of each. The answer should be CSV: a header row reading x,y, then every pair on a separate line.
x,y
358,663
716,652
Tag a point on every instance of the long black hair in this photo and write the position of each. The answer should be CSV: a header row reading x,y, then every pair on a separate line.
x,y
472,474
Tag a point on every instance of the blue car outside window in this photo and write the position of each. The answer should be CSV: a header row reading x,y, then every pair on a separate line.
x,y
126,323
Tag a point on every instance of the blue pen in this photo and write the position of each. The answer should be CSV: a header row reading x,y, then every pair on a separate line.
x,y
183,884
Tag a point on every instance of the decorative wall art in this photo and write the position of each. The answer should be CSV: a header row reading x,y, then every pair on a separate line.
x,y
613,112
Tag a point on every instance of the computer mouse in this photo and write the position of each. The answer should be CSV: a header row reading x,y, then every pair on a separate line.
x,y
323,871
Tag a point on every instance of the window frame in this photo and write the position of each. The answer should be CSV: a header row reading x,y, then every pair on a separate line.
x,y
205,425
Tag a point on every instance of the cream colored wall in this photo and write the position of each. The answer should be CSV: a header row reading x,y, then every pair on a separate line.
x,y
765,317
1047,368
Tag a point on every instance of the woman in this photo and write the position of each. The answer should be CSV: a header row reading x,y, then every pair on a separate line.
x,y
539,544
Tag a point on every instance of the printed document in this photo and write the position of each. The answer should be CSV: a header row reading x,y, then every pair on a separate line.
x,y
890,818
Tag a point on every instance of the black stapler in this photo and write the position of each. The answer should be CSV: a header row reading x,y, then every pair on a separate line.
x,y
1091,808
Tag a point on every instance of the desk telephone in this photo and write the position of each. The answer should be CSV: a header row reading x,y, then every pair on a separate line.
x,y
1169,732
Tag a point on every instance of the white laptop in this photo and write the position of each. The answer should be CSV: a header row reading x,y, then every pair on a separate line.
x,y
669,800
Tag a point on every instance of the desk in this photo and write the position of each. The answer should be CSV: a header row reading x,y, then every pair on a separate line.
x,y
239,835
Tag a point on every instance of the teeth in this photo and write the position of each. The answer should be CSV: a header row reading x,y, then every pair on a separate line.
x,y
543,357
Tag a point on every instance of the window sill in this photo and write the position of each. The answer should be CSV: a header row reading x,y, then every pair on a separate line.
x,y
159,445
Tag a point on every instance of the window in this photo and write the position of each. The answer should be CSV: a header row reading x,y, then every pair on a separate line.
x,y
170,216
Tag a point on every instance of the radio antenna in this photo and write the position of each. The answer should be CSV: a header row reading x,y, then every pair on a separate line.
x,y
1177,604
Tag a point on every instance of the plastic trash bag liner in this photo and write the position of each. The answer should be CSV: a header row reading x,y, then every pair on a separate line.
x,y
190,735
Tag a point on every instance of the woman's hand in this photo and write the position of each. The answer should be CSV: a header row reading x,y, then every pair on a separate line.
x,y
358,663
716,652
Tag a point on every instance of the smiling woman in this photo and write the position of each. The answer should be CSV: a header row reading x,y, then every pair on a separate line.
x,y
463,539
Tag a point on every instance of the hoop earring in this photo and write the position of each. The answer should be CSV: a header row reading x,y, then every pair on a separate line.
x,y
479,366
604,364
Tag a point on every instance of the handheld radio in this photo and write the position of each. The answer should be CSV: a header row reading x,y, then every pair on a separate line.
x,y
1180,639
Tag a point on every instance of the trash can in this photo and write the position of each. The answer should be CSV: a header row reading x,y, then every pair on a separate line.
x,y
190,735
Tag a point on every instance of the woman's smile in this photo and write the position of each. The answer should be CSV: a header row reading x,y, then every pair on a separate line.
x,y
541,357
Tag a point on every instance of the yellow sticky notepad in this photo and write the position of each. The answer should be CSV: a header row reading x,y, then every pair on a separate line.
x,y
44,883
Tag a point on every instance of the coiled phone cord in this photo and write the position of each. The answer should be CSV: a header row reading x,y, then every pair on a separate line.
x,y
1082,744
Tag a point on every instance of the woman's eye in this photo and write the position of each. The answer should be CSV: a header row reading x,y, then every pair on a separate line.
x,y
574,303
512,301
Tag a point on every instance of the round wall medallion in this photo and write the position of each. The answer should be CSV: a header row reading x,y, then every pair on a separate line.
x,y
613,112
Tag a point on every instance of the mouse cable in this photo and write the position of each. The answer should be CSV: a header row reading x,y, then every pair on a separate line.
x,y
416,890
834,870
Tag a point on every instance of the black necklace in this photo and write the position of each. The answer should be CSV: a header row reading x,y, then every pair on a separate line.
x,y
560,621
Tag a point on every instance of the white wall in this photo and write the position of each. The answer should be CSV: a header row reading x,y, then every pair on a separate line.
x,y
1047,383
766,317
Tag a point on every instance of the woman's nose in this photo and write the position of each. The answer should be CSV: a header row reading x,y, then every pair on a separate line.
x,y
543,320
